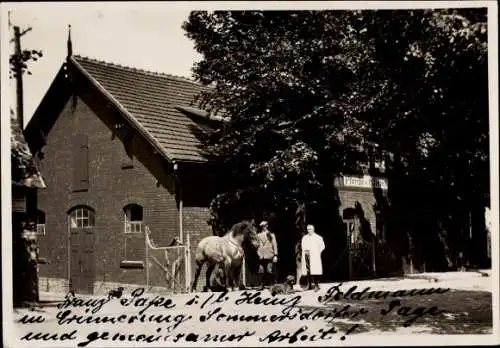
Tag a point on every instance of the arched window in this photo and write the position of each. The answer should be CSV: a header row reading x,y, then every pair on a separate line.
x,y
82,217
133,218
40,223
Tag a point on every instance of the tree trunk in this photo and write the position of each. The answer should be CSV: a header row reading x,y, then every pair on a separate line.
x,y
300,227
25,264
447,253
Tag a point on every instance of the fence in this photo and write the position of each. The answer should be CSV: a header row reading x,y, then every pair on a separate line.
x,y
167,268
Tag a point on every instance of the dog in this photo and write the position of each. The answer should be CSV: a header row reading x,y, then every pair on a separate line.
x,y
218,284
118,292
284,288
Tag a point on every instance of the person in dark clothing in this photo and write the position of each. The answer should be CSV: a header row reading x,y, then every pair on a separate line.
x,y
268,256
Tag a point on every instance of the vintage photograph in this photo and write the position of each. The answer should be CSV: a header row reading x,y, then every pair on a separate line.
x,y
231,174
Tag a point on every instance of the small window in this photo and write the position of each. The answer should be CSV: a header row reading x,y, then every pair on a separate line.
x,y
80,163
133,218
82,217
40,223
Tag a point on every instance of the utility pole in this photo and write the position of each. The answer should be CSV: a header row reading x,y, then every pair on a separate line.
x,y
19,74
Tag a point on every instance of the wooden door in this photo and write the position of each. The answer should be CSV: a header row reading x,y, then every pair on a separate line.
x,y
82,261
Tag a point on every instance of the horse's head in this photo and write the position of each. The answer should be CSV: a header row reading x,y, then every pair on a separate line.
x,y
252,237
245,231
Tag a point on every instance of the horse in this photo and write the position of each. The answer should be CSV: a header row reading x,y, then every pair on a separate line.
x,y
226,251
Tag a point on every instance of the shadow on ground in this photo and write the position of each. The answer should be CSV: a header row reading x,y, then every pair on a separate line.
x,y
464,312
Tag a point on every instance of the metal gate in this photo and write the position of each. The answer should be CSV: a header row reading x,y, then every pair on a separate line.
x,y
167,268
359,253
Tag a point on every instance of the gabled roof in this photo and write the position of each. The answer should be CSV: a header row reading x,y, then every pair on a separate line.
x,y
160,106
157,103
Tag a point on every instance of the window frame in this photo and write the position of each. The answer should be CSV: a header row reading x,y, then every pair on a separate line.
x,y
133,226
40,229
90,218
40,226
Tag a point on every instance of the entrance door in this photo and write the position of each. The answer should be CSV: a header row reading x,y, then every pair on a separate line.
x,y
360,251
82,262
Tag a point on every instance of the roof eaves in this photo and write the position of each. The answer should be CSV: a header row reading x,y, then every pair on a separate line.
x,y
124,112
192,160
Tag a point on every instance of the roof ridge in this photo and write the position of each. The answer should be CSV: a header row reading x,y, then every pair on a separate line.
x,y
144,71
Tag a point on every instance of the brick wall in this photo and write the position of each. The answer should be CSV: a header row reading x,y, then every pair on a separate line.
x,y
56,285
366,198
110,188
195,223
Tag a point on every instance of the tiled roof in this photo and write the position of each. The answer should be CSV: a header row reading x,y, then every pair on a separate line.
x,y
154,102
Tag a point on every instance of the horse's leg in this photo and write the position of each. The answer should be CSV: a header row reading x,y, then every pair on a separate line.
x,y
238,279
232,278
210,269
199,265
227,271
234,273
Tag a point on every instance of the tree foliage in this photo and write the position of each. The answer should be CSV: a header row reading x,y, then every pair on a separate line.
x,y
316,93
20,61
25,174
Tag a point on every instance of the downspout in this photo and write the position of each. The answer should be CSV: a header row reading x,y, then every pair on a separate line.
x,y
187,246
179,193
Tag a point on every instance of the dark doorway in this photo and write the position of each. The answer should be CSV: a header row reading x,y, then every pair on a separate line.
x,y
82,263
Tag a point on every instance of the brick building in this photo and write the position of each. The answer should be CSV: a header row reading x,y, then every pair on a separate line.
x,y
127,177
361,200
123,156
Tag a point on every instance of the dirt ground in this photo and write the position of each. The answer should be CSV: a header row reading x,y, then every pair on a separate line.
x,y
251,317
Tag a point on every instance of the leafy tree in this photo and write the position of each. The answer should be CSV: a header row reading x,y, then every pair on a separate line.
x,y
20,61
436,121
24,176
280,99
310,94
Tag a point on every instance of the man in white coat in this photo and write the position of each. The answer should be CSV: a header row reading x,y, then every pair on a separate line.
x,y
312,247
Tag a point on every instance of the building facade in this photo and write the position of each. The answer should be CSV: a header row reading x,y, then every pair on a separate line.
x,y
120,151
361,201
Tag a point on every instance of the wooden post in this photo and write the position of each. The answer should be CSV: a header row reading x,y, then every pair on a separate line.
x,y
349,245
349,255
187,262
19,77
146,231
374,256
244,273
19,74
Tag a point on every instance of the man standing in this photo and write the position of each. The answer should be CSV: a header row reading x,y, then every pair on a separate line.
x,y
312,247
268,255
